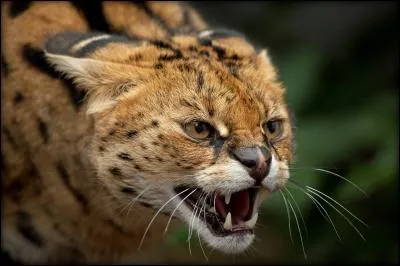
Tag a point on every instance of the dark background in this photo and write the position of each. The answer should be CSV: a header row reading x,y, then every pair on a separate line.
x,y
339,63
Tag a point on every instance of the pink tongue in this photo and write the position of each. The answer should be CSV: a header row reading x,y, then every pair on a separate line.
x,y
239,206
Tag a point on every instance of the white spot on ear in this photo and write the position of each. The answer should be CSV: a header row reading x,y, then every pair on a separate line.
x,y
263,55
205,33
83,43
264,61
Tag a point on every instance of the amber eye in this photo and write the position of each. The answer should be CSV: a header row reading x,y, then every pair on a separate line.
x,y
199,130
273,129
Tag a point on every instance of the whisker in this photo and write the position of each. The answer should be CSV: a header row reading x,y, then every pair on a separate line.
x,y
176,208
298,209
191,225
321,209
298,227
332,173
158,212
198,221
355,217
338,211
131,203
288,214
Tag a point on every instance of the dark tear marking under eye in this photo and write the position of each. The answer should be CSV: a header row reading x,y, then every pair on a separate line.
x,y
93,12
5,69
125,156
10,138
43,130
18,98
115,171
37,59
18,7
143,6
27,230
131,134
217,144
67,182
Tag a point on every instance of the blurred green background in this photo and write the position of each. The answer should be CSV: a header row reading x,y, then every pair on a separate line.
x,y
339,63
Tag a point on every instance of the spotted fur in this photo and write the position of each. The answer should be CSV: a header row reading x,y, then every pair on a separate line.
x,y
94,96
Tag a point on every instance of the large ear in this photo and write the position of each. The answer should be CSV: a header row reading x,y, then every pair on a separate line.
x,y
103,81
264,62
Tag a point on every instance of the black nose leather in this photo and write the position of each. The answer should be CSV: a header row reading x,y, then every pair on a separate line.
x,y
256,159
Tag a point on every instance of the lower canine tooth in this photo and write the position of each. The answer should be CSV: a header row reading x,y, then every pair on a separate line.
x,y
228,222
212,210
252,222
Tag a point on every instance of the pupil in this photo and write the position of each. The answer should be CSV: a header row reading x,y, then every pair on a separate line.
x,y
271,127
199,127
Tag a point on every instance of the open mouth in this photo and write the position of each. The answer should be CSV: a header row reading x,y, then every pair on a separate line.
x,y
228,214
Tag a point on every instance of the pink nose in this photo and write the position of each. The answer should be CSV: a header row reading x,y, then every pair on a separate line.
x,y
256,159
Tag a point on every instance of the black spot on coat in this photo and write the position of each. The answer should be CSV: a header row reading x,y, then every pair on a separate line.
x,y
26,229
43,130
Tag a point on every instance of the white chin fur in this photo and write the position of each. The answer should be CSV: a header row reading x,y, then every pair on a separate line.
x,y
236,178
228,244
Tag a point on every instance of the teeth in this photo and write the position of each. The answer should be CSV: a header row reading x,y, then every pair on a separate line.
x,y
252,222
212,210
227,198
228,222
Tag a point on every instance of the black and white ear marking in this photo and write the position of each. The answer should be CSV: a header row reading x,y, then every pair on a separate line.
x,y
81,44
219,33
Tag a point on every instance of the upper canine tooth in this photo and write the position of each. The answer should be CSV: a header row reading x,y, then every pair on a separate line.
x,y
228,222
252,222
227,198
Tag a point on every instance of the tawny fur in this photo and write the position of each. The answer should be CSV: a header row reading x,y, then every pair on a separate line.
x,y
65,166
